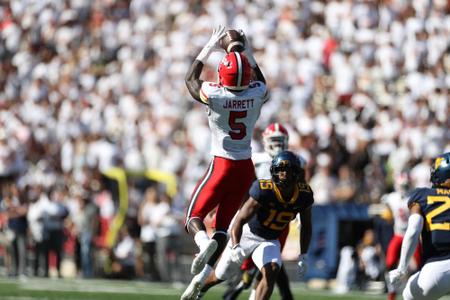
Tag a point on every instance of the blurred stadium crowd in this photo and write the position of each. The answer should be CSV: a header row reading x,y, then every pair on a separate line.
x,y
362,87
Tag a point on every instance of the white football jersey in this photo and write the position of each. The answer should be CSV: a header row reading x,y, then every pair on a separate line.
x,y
262,162
400,212
232,117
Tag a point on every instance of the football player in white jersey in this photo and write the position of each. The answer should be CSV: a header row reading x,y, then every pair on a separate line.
x,y
275,139
233,106
397,203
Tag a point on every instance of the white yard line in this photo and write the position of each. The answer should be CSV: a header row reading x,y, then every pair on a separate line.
x,y
22,298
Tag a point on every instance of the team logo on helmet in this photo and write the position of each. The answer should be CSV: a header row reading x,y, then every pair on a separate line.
x,y
226,62
440,170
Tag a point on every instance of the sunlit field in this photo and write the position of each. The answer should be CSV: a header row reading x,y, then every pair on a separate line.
x,y
68,289
71,289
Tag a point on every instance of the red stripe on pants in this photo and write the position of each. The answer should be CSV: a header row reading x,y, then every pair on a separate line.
x,y
393,252
225,187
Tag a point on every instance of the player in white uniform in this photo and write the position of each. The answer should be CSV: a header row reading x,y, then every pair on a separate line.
x,y
397,203
233,106
275,139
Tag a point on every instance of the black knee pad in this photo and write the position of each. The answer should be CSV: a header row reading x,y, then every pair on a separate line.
x,y
221,238
195,223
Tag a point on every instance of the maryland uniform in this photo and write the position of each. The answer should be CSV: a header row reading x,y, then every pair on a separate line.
x,y
262,162
260,235
433,281
398,204
232,117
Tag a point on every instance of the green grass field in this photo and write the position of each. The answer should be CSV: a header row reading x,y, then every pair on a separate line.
x,y
71,289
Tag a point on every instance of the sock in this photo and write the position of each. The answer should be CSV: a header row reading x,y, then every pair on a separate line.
x,y
204,273
252,295
201,238
390,288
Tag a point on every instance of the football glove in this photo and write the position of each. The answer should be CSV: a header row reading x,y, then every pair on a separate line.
x,y
237,254
212,44
395,277
302,265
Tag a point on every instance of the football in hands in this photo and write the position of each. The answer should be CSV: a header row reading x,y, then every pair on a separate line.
x,y
232,41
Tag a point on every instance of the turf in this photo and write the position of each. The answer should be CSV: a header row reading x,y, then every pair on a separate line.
x,y
71,289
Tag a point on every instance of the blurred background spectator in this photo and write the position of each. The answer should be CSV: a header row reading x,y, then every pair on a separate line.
x,y
149,216
123,256
86,86
86,224
53,214
16,210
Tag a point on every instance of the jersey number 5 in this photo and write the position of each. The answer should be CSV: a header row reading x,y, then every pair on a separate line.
x,y
278,220
239,130
437,211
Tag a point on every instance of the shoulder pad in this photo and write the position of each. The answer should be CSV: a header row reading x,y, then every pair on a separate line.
x,y
260,88
208,90
304,187
417,195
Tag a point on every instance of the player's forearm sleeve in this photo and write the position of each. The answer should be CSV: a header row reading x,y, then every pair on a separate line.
x,y
410,240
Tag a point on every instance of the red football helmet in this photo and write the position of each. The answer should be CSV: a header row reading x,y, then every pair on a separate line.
x,y
275,139
234,71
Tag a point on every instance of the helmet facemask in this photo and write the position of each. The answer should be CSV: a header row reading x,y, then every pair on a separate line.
x,y
275,139
284,175
275,144
286,169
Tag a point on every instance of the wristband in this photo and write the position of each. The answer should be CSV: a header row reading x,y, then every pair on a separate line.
x,y
204,54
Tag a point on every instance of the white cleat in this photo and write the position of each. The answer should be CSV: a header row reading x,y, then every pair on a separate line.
x,y
203,256
192,290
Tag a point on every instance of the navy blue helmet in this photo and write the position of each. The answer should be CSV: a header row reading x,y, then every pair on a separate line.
x,y
440,170
291,164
